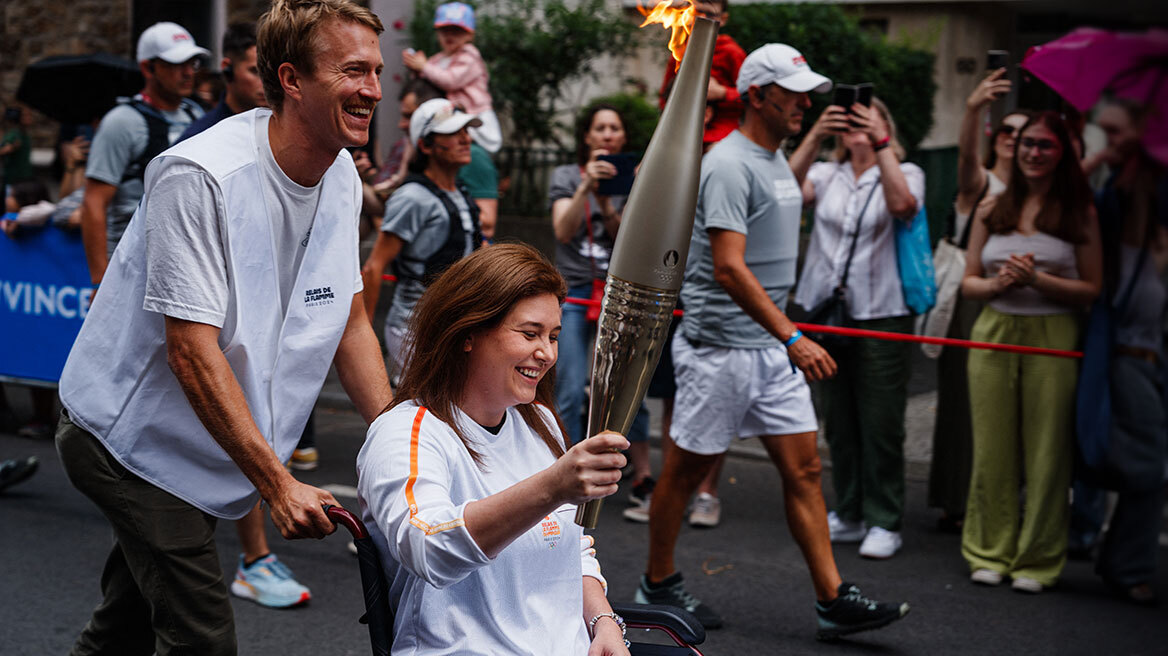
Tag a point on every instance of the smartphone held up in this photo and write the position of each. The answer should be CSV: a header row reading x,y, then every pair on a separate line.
x,y
847,95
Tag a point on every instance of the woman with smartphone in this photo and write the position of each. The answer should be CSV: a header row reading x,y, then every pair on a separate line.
x,y
977,179
858,195
585,221
1035,258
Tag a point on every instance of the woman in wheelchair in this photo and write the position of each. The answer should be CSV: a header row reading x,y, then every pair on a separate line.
x,y
464,481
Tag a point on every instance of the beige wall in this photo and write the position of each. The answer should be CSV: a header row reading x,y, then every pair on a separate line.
x,y
952,32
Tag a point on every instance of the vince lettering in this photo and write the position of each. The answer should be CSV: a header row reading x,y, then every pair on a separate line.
x,y
66,301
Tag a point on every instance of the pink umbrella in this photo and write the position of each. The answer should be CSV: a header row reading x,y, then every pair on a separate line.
x,y
1083,64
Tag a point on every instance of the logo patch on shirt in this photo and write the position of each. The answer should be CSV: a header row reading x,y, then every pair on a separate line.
x,y
787,189
318,296
552,534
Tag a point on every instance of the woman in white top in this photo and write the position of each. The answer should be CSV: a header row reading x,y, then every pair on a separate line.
x,y
464,481
976,180
1036,259
864,189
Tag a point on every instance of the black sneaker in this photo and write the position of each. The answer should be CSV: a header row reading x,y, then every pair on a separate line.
x,y
639,495
852,612
16,470
671,592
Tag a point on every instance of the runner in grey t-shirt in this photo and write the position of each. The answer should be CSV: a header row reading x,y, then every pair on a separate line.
x,y
738,169
740,364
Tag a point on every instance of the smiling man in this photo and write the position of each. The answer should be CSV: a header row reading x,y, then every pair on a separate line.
x,y
219,315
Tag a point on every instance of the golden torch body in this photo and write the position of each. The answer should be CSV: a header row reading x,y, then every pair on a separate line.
x,y
648,260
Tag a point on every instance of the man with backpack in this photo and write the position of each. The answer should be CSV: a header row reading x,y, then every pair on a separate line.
x,y
132,133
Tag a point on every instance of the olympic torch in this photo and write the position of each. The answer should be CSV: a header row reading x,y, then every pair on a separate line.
x,y
648,260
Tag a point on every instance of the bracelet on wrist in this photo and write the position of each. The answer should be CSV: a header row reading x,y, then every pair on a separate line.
x,y
620,622
882,144
795,336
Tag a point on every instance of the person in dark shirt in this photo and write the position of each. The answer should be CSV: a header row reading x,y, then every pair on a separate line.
x,y
242,88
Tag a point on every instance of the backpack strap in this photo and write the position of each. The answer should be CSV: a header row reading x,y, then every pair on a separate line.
x,y
454,247
158,136
963,242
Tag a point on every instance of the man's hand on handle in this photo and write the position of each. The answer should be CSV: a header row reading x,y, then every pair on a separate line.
x,y
298,511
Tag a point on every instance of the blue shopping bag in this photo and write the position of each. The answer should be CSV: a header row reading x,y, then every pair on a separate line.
x,y
914,258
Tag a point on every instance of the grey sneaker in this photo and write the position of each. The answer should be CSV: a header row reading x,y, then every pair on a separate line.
x,y
672,592
852,612
706,512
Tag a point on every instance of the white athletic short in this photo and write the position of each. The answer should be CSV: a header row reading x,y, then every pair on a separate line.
x,y
726,393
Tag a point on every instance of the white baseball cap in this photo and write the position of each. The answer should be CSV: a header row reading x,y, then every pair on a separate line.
x,y
779,63
169,42
439,116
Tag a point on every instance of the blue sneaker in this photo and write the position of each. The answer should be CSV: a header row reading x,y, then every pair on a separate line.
x,y
268,583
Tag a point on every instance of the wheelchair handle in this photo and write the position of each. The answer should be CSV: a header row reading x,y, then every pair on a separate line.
x,y
339,515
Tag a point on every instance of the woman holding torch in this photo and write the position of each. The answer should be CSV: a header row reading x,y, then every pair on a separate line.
x,y
464,481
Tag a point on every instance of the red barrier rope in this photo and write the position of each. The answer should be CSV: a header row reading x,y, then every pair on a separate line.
x,y
884,335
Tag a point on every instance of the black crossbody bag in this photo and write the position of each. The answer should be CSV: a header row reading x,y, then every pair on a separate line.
x,y
833,311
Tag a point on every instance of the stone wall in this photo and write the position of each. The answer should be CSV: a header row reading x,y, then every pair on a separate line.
x,y
246,10
30,31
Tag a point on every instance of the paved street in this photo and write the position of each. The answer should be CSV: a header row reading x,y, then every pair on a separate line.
x,y
54,542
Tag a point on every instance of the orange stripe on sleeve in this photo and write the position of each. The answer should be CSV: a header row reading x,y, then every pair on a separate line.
x,y
415,432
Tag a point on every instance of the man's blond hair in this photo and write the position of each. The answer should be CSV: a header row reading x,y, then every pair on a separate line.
x,y
287,33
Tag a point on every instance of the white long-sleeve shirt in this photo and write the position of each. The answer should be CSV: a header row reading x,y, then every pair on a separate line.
x,y
415,479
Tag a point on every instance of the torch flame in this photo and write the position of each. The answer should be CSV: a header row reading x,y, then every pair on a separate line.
x,y
673,16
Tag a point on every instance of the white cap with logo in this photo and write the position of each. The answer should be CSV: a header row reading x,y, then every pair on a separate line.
x,y
169,42
439,116
779,63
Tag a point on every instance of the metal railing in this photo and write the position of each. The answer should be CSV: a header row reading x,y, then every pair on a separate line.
x,y
527,172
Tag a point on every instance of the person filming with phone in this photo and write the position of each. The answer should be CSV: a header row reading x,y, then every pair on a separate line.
x,y
586,201
857,195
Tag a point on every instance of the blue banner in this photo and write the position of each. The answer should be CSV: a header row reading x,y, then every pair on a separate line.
x,y
44,296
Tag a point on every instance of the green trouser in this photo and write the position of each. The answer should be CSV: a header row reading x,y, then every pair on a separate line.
x,y
162,586
864,405
952,434
1023,409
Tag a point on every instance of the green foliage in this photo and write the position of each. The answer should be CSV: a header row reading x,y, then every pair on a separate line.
x,y
532,49
640,117
835,46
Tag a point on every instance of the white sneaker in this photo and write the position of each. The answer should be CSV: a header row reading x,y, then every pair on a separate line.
x,y
1026,584
880,543
707,511
844,531
638,513
985,576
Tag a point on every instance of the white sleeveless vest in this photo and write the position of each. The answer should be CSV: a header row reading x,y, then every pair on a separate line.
x,y
117,384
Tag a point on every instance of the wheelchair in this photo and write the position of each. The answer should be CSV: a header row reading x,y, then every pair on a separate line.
x,y
676,623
